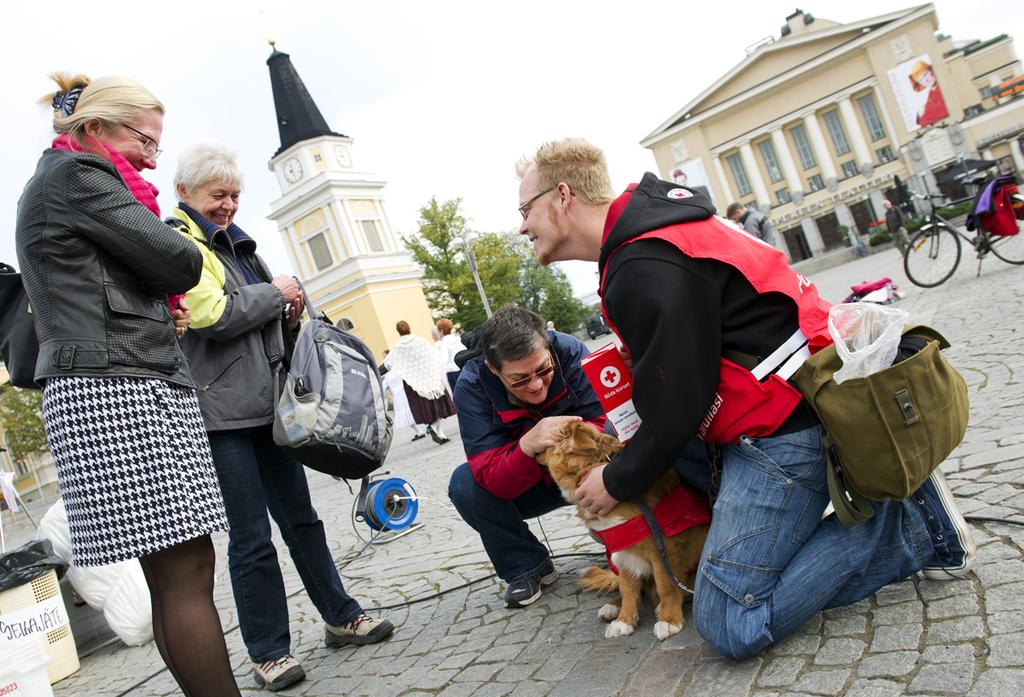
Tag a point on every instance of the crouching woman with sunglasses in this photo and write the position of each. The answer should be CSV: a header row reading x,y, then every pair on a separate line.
x,y
511,400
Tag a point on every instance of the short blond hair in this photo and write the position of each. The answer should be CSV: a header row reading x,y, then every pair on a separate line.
x,y
113,101
577,163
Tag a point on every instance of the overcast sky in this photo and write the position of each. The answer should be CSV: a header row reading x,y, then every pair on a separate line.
x,y
441,98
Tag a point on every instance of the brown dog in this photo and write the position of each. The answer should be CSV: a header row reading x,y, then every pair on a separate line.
x,y
581,449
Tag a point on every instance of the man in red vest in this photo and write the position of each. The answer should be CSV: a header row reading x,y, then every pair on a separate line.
x,y
715,322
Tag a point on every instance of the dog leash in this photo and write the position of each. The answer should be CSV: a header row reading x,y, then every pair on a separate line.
x,y
659,542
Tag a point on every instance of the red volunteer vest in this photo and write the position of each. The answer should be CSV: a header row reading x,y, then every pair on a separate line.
x,y
743,405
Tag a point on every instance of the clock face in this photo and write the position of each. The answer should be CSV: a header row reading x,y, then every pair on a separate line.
x,y
292,169
342,155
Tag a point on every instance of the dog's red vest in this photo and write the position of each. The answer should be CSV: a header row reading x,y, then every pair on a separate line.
x,y
743,404
678,510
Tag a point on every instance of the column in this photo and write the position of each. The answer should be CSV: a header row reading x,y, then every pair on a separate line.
x,y
845,217
1018,155
812,235
856,136
761,195
349,239
828,168
796,187
886,119
723,184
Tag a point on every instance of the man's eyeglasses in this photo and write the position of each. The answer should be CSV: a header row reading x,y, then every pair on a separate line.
x,y
523,382
524,209
148,144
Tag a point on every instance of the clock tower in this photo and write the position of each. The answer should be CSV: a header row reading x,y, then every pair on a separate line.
x,y
332,217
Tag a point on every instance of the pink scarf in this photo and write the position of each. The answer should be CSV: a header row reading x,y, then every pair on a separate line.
x,y
144,192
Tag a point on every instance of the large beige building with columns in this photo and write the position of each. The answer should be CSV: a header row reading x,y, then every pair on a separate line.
x,y
818,125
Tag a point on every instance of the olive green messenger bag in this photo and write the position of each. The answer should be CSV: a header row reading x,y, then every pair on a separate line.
x,y
885,433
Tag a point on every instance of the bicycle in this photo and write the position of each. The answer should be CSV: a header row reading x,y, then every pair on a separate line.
x,y
934,251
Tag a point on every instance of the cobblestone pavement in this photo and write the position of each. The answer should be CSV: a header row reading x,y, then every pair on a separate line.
x,y
916,637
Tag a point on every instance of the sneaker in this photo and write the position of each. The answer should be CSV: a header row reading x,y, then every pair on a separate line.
x,y
361,630
954,554
279,673
526,590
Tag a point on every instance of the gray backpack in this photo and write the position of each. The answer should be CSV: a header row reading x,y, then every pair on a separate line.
x,y
332,411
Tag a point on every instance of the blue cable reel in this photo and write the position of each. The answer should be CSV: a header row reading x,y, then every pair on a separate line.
x,y
387,504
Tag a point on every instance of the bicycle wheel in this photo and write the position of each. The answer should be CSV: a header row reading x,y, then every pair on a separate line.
x,y
1009,248
932,256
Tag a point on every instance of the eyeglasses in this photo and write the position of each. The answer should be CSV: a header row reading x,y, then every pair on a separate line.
x,y
523,382
149,147
524,209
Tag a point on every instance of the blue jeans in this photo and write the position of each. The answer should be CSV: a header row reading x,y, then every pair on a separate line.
x,y
771,563
256,476
508,541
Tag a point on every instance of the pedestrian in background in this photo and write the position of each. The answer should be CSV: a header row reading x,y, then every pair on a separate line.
x,y
753,221
241,317
896,224
419,365
119,405
451,346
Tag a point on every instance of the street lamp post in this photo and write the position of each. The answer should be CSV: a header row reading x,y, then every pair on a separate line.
x,y
471,261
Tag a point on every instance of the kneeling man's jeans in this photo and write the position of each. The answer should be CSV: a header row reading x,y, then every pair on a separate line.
x,y
771,563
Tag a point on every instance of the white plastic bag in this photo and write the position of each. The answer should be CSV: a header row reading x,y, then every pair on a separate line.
x,y
867,337
118,590
128,609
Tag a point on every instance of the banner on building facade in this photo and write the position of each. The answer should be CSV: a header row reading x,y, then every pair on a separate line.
x,y
918,93
693,175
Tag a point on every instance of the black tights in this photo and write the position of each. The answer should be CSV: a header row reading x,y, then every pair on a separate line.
x,y
186,625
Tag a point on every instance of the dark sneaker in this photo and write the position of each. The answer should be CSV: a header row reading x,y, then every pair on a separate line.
x,y
361,630
954,555
526,590
278,674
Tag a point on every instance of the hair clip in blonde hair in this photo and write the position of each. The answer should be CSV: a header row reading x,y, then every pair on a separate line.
x,y
65,102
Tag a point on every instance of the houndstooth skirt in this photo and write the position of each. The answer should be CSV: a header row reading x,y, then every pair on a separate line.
x,y
134,466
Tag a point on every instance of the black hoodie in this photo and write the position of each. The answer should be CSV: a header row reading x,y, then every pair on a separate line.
x,y
676,315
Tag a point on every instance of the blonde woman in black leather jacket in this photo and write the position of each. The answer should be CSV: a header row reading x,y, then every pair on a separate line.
x,y
104,277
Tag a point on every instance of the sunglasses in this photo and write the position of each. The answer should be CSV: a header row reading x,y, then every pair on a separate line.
x,y
523,382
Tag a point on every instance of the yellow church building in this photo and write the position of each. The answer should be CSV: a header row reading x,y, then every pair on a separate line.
x,y
331,214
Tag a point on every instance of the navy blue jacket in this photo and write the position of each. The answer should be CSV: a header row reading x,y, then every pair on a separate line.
x,y
491,424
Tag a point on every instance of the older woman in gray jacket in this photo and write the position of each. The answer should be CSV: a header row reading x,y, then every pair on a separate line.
x,y
241,314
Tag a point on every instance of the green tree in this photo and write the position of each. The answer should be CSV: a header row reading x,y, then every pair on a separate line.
x,y
505,264
437,249
499,269
21,412
547,291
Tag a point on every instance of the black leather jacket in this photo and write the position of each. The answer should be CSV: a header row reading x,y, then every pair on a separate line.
x,y
97,266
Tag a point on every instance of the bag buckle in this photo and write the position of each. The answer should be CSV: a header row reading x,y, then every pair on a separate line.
x,y
66,357
907,408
